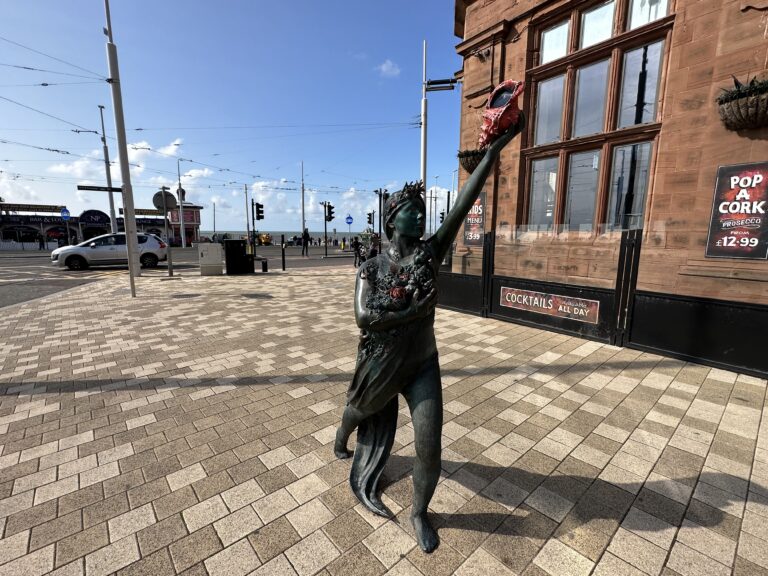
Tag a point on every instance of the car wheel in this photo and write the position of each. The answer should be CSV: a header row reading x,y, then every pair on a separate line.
x,y
77,263
149,261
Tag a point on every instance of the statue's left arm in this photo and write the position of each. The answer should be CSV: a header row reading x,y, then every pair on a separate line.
x,y
442,239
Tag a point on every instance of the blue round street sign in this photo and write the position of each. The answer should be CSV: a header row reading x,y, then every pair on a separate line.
x,y
64,214
349,220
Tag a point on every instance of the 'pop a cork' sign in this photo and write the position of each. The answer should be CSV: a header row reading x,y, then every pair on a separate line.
x,y
739,224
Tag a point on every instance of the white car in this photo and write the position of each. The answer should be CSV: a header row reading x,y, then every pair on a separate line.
x,y
109,249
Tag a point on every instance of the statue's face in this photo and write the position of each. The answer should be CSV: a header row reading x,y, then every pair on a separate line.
x,y
409,220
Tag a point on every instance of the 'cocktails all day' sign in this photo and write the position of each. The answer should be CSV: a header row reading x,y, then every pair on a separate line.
x,y
739,224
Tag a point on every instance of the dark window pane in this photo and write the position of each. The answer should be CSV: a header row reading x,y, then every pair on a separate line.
x,y
541,211
549,110
645,11
581,194
120,240
554,43
629,183
591,86
640,85
596,25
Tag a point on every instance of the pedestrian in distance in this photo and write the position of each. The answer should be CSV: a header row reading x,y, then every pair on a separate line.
x,y
355,245
305,240
41,240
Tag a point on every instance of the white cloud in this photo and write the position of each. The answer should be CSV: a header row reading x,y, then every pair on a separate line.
x,y
221,202
388,69
172,149
82,197
90,167
15,191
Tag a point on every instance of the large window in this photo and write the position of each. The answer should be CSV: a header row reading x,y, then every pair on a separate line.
x,y
589,104
595,92
640,85
581,194
629,182
541,210
549,112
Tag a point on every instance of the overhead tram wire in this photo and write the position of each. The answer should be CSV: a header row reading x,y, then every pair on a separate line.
x,y
45,114
262,126
33,69
47,84
51,57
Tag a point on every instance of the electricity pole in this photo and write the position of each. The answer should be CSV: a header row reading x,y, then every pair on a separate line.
x,y
129,216
303,221
181,206
428,86
247,225
423,164
112,217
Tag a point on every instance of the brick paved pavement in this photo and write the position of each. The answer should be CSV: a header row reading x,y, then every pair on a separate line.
x,y
189,431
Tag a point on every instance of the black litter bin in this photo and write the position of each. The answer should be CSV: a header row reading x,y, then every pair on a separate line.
x,y
236,259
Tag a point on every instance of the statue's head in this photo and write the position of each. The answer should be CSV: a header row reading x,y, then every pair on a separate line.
x,y
409,204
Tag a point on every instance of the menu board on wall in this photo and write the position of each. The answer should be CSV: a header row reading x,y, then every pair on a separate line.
x,y
739,224
474,223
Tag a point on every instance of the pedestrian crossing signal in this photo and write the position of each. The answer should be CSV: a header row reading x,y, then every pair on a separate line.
x,y
329,212
370,218
259,211
442,216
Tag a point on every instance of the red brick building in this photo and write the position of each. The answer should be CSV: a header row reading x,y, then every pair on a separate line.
x,y
603,218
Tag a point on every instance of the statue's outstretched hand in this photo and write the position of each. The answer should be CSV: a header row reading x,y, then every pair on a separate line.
x,y
496,146
423,306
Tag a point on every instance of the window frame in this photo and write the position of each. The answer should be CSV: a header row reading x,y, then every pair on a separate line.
x,y
621,41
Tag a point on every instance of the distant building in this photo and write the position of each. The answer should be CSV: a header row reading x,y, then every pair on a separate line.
x,y
24,223
626,212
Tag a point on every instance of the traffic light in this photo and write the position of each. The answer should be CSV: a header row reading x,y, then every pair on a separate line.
x,y
442,216
370,218
259,211
329,212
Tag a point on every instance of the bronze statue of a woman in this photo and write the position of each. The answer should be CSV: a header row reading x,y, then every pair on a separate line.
x,y
395,299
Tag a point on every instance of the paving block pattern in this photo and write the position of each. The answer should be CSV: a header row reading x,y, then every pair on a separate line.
x,y
191,429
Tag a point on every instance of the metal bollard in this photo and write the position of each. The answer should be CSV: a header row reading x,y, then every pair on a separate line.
x,y
264,265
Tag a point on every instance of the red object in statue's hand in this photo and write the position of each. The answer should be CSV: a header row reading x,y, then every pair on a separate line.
x,y
501,112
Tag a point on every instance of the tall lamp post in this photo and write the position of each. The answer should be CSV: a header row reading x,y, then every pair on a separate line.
x,y
112,217
180,193
131,238
429,86
434,204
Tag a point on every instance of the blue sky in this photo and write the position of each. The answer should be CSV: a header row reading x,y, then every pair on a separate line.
x,y
245,89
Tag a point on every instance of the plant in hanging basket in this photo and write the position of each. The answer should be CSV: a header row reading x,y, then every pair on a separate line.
x,y
469,159
744,106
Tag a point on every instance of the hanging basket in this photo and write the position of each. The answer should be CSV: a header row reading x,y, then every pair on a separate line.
x,y
745,113
470,159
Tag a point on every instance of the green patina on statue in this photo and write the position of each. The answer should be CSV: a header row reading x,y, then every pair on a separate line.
x,y
395,299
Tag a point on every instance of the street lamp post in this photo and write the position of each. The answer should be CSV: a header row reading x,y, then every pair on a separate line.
x,y
112,217
180,193
131,238
434,204
453,183
429,86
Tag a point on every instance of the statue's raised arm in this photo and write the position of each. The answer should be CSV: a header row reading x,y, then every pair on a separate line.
x,y
442,239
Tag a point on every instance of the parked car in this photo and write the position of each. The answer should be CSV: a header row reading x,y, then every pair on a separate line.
x,y
109,249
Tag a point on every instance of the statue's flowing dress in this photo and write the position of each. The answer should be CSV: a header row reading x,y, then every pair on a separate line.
x,y
387,361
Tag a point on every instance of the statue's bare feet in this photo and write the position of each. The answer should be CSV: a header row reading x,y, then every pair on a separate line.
x,y
340,447
425,534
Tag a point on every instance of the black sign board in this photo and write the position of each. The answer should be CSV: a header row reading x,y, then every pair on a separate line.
x,y
738,227
99,188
